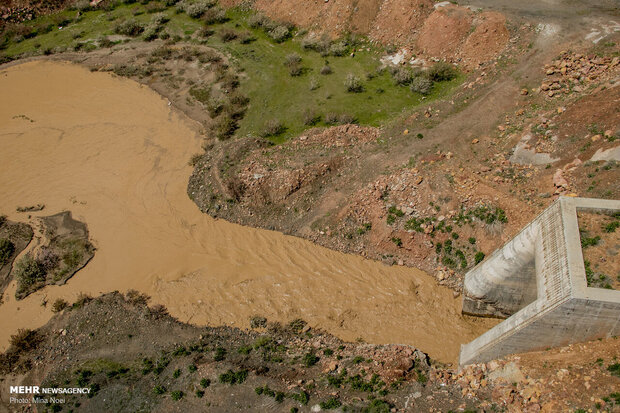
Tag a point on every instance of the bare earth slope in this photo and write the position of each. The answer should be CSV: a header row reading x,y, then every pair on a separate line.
x,y
133,357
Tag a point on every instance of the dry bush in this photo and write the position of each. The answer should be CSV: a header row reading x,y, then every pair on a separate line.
x,y
353,84
421,85
59,305
158,311
25,340
136,298
273,128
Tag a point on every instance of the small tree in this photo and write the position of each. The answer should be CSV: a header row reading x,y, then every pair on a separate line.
x,y
441,71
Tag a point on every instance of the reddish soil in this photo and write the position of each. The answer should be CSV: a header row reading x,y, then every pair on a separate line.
x,y
445,31
450,32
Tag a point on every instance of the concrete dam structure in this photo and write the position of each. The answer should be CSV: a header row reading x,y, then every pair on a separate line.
x,y
538,281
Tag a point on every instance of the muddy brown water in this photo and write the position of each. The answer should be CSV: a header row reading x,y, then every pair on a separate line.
x,y
116,154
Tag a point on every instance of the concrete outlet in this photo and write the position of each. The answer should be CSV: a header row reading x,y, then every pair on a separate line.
x,y
538,281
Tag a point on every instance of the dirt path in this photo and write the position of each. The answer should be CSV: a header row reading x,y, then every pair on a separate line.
x,y
113,153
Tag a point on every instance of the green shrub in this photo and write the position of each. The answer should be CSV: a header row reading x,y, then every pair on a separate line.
x,y
353,84
332,403
441,71
204,383
28,272
377,406
402,76
310,359
196,9
7,248
611,227
478,257
256,21
302,397
244,350
177,395
397,241
589,241
159,389
225,127
273,128
177,373
279,33
232,377
214,15
292,59
129,28
192,368
614,369
220,354
228,35
394,210
421,85
338,49
246,37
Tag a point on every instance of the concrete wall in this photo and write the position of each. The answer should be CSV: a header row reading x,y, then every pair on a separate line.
x,y
535,328
564,310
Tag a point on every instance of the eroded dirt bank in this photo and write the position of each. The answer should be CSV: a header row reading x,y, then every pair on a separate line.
x,y
116,155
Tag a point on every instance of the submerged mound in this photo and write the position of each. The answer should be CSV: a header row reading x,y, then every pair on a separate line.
x,y
62,249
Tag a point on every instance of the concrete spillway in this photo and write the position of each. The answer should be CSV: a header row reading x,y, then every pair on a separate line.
x,y
538,281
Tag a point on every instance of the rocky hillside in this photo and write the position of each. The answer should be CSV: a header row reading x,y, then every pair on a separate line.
x,y
132,356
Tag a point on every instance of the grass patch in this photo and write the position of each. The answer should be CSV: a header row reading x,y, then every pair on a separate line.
x,y
257,47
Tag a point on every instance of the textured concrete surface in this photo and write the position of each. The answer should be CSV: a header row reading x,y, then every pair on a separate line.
x,y
538,280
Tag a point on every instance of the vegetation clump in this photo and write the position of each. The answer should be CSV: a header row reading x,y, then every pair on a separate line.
x,y
233,377
29,274
353,84
129,28
441,71
7,248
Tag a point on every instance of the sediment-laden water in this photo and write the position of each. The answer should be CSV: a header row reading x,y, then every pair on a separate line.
x,y
116,154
